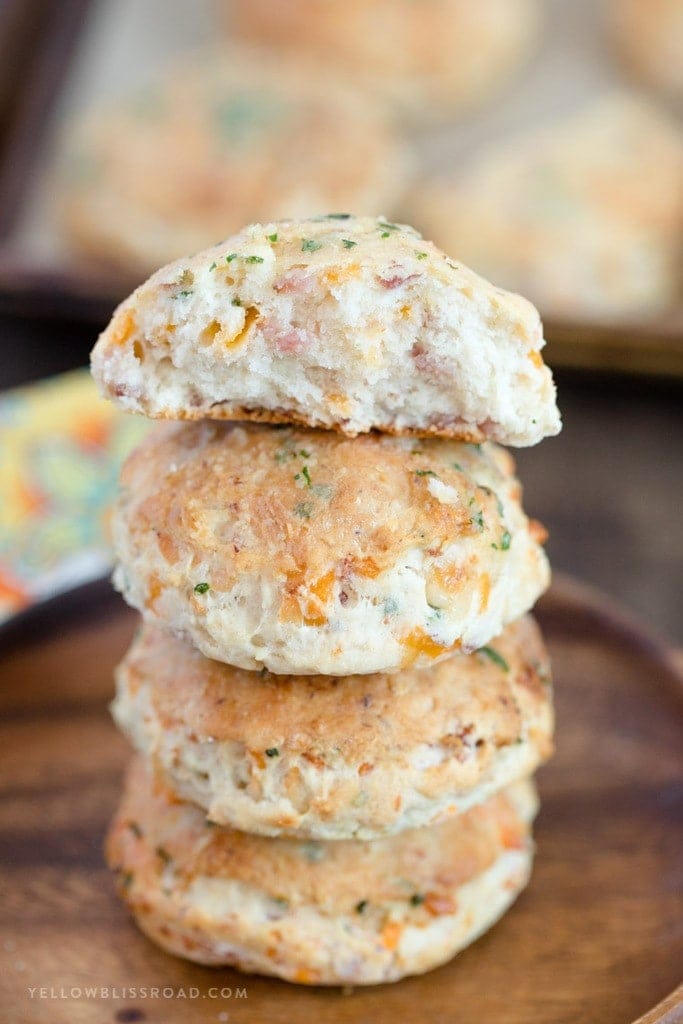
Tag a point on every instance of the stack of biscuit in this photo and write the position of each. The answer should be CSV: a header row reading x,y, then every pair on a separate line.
x,y
337,695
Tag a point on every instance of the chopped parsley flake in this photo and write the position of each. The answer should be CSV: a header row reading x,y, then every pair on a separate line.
x,y
385,234
492,654
361,906
213,265
305,475
304,454
348,243
456,465
202,588
304,509
426,472
338,216
272,752
135,829
390,606
388,227
310,245
231,257
127,879
253,259
416,899
504,542
236,301
273,237
421,255
478,519
183,294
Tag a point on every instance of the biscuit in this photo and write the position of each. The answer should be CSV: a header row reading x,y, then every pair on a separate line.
x,y
338,322
428,59
345,913
649,37
306,552
214,143
324,758
585,219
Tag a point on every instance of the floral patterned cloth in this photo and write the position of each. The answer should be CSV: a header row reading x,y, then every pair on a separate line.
x,y
61,448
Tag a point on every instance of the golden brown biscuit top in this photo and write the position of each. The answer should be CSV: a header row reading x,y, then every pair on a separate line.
x,y
309,507
151,832
353,720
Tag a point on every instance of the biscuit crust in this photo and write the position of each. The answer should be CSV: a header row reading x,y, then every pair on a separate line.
x,y
324,758
218,141
306,552
317,913
585,218
429,59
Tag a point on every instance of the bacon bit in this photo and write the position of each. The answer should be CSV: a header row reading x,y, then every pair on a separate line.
x,y
436,905
366,768
396,280
484,591
538,531
424,361
251,315
313,759
535,357
122,328
289,342
391,934
295,280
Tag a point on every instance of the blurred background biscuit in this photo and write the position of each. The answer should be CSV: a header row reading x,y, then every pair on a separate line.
x,y
585,218
648,36
429,59
214,142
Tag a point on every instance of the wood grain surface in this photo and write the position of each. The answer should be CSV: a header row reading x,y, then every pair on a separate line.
x,y
597,937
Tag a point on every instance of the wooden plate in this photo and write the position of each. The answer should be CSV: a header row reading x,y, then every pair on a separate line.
x,y
596,937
